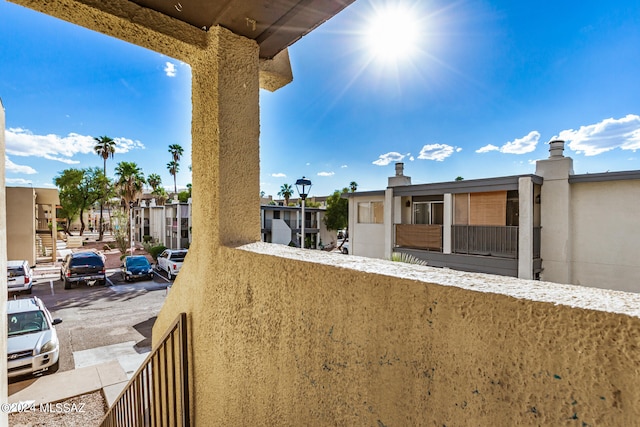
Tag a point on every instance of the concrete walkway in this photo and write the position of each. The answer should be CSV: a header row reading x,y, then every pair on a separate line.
x,y
108,377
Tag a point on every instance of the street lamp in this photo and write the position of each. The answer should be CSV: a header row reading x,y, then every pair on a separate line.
x,y
131,227
303,186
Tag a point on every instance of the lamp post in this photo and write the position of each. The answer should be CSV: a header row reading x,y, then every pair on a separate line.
x,y
303,186
131,228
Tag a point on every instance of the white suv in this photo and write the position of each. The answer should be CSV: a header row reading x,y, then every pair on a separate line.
x,y
19,276
32,345
171,261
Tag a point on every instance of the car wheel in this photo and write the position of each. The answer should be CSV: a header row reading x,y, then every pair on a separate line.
x,y
54,368
67,285
102,282
29,291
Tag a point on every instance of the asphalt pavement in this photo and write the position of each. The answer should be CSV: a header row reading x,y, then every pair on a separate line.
x,y
105,335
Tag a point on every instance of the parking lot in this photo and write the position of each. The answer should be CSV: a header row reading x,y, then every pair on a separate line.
x,y
101,323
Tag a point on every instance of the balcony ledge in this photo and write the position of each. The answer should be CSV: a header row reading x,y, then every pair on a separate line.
x,y
568,295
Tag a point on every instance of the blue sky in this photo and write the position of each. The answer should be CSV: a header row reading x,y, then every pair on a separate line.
x,y
471,88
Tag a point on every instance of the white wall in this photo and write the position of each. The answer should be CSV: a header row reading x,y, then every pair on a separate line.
x,y
366,240
606,234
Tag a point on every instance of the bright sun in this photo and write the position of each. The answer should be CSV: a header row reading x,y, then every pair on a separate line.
x,y
392,34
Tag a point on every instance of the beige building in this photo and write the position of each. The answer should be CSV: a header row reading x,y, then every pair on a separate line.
x,y
284,336
553,225
31,223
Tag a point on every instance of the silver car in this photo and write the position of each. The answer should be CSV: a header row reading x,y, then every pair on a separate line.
x,y
32,346
19,276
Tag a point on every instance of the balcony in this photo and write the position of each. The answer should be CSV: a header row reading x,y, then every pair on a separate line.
x,y
419,236
495,241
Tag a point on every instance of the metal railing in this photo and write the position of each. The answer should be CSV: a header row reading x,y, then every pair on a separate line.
x,y
497,241
158,393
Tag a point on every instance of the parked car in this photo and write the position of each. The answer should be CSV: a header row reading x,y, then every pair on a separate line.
x,y
171,261
345,247
32,344
83,267
136,267
19,276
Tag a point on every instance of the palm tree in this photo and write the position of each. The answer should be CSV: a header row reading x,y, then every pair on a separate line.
x,y
353,186
174,168
286,191
176,151
105,147
154,181
130,182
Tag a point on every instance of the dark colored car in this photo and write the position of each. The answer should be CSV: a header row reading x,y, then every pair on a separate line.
x,y
136,267
83,267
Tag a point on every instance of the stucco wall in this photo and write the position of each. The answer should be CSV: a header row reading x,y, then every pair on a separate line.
x,y
336,346
21,224
3,277
365,239
605,234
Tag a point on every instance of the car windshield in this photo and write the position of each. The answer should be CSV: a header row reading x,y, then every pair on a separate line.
x,y
15,271
137,262
26,323
178,256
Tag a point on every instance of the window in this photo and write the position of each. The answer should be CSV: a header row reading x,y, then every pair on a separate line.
x,y
370,212
428,213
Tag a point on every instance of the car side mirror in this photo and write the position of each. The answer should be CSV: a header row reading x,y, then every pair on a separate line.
x,y
57,321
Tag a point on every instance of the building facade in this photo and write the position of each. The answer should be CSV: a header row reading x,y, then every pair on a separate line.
x,y
552,225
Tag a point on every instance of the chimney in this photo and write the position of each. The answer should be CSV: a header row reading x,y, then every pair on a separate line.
x,y
556,148
399,179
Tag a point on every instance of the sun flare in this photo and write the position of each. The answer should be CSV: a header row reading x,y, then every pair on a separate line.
x,y
392,34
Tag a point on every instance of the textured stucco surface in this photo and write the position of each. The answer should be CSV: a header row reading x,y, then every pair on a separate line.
x,y
279,340
3,267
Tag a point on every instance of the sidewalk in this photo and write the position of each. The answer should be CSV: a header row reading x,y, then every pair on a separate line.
x,y
108,377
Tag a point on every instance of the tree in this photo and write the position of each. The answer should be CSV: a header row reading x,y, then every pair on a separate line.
x,y
174,165
459,178
176,152
286,191
129,184
79,189
161,195
174,168
353,186
105,147
336,216
154,180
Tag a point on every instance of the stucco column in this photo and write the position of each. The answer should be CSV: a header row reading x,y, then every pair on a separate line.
x,y
525,228
389,217
447,223
3,277
555,218
225,145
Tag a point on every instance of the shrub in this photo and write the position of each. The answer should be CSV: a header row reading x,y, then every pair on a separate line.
x,y
408,258
156,250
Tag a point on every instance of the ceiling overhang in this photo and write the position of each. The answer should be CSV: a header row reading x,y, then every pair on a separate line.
x,y
273,24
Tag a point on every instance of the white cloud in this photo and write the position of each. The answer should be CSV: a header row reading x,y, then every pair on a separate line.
x,y
487,148
326,173
387,158
343,166
437,152
278,175
12,167
17,181
170,69
523,145
23,143
609,134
